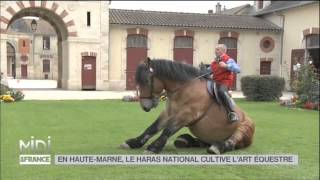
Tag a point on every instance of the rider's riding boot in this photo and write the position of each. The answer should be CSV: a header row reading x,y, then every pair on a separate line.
x,y
229,105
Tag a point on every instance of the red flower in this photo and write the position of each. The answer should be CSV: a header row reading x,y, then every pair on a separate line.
x,y
308,105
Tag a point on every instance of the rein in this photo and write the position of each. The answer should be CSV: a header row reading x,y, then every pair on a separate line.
x,y
175,90
187,83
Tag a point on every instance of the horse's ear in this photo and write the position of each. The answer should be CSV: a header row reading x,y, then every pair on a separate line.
x,y
148,65
147,62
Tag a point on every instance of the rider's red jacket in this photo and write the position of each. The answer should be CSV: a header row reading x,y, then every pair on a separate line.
x,y
224,76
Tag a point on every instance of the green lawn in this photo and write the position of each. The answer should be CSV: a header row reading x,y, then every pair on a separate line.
x,y
98,127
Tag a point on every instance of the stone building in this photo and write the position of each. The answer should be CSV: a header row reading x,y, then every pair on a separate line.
x,y
99,48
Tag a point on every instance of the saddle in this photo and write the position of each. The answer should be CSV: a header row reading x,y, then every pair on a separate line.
x,y
213,90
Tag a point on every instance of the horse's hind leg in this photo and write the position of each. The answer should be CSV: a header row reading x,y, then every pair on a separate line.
x,y
242,137
187,141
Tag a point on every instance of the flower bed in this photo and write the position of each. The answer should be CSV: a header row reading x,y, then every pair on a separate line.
x,y
295,102
12,96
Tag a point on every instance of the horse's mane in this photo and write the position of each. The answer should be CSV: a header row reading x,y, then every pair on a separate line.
x,y
167,70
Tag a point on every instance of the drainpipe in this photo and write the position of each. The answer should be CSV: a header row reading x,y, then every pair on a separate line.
x,y
281,39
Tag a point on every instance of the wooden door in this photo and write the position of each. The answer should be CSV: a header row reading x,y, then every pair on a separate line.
x,y
88,70
24,71
136,53
134,57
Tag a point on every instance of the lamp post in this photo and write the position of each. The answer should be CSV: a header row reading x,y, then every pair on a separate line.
x,y
34,25
34,29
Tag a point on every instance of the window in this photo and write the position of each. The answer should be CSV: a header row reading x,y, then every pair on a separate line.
x,y
313,49
265,67
23,43
183,42
231,43
46,42
312,41
88,18
46,65
267,44
136,41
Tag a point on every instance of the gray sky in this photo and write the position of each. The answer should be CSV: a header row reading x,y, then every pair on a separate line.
x,y
176,6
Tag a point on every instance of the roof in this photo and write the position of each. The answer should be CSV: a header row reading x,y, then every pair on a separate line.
x,y
235,10
177,19
282,5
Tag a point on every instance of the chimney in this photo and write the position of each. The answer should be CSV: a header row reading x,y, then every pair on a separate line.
x,y
218,8
210,11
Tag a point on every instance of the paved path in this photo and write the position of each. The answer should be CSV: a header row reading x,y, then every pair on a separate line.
x,y
57,94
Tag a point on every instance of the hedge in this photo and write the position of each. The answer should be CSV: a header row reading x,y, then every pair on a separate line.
x,y
262,87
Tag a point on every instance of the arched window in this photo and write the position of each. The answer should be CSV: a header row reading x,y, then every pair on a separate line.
x,y
137,41
231,43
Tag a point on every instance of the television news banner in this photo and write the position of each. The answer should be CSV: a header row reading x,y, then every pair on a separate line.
x,y
35,151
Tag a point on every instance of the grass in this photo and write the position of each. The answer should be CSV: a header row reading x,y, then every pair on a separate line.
x,y
98,127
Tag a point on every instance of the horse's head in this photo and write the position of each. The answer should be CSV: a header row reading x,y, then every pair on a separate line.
x,y
149,87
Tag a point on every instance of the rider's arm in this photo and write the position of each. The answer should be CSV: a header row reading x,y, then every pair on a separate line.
x,y
233,66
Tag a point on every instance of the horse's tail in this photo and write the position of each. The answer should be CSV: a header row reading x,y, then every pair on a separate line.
x,y
243,136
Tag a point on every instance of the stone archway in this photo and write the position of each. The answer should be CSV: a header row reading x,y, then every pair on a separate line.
x,y
74,35
55,15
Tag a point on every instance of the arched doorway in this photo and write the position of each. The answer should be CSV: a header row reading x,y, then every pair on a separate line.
x,y
57,16
61,30
74,35
11,61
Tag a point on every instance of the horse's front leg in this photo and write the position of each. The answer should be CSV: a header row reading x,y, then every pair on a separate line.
x,y
157,145
147,134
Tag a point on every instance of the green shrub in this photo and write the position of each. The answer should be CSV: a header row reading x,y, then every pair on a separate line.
x,y
308,86
262,87
3,89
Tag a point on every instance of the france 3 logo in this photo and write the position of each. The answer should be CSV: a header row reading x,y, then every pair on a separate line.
x,y
35,151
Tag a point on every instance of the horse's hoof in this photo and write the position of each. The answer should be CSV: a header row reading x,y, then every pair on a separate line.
x,y
184,141
125,146
213,150
148,152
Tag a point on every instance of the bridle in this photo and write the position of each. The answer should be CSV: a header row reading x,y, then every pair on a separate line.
x,y
151,96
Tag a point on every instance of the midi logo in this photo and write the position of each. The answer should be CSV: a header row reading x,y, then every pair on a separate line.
x,y
35,151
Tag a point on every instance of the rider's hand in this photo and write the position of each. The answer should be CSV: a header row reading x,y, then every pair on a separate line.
x,y
223,65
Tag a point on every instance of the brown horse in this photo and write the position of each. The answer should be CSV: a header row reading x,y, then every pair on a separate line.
x,y
189,105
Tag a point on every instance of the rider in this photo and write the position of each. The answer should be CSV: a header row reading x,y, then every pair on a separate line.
x,y
223,68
